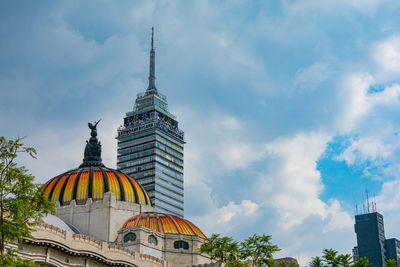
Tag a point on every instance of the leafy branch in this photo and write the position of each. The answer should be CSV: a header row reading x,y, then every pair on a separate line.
x,y
22,203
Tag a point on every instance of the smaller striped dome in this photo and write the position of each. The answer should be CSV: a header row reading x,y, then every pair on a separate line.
x,y
92,182
164,223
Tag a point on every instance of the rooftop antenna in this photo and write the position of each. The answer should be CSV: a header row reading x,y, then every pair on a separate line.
x,y
152,76
367,193
363,201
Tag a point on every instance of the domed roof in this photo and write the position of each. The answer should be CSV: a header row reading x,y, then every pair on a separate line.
x,y
92,182
164,223
92,179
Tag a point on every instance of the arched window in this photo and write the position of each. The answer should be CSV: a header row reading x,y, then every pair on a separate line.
x,y
130,237
152,240
181,244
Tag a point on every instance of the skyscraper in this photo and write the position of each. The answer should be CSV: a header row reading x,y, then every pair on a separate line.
x,y
371,241
150,147
393,249
371,238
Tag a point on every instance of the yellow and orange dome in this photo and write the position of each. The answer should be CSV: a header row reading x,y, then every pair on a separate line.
x,y
164,223
92,179
92,182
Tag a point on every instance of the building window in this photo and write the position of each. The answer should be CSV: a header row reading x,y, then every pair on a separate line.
x,y
129,237
152,240
181,244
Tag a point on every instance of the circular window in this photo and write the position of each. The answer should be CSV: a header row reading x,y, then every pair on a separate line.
x,y
152,240
130,237
181,244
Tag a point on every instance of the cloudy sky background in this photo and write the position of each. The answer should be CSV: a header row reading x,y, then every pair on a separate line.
x,y
290,108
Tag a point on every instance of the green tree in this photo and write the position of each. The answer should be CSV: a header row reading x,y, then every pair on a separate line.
x,y
390,263
222,249
345,260
236,263
316,262
22,205
331,258
362,262
259,250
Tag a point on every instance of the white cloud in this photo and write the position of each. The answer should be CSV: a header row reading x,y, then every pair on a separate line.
x,y
387,56
358,102
389,97
388,203
337,218
58,151
368,6
143,12
286,195
218,142
308,79
364,149
229,218
365,6
363,114
389,198
294,184
307,239
353,93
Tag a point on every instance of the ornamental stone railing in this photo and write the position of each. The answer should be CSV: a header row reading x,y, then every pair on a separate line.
x,y
147,257
89,240
53,229
213,264
74,244
114,247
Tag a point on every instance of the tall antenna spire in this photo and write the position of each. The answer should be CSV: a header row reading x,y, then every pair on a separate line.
x,y
152,38
152,76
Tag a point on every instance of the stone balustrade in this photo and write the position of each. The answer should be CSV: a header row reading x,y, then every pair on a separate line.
x,y
75,246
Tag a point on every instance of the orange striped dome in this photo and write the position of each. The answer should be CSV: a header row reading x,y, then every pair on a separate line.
x,y
92,182
164,223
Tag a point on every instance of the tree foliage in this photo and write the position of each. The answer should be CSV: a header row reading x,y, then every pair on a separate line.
x,y
362,262
257,250
332,258
221,249
21,203
316,262
390,263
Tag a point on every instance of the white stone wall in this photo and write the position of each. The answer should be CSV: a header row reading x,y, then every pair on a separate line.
x,y
101,219
184,257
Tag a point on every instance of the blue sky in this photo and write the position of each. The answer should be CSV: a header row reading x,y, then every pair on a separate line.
x,y
290,108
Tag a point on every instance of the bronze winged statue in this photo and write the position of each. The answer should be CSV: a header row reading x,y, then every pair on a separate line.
x,y
92,154
93,128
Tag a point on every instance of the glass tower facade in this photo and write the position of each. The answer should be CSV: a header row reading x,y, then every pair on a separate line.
x,y
393,249
371,238
150,147
371,241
